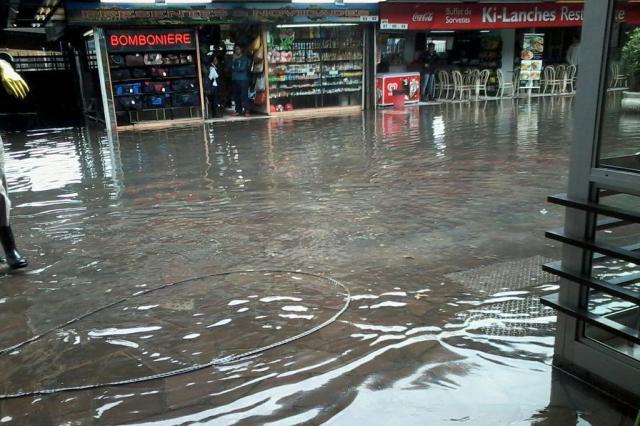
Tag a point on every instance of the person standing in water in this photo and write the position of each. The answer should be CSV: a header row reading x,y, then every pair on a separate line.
x,y
429,61
16,87
213,80
240,67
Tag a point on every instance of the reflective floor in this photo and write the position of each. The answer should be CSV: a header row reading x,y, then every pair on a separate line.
x,y
433,218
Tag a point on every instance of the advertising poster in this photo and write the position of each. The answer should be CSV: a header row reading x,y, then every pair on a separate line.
x,y
531,61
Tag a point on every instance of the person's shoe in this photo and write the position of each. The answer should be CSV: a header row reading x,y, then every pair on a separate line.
x,y
247,114
14,258
235,114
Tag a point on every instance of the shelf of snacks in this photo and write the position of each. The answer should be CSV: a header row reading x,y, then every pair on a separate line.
x,y
156,79
337,92
318,57
344,83
293,78
491,54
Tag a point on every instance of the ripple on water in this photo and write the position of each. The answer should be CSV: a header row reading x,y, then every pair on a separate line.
x,y
151,341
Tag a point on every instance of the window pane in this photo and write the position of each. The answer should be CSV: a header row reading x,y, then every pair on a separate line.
x,y
620,141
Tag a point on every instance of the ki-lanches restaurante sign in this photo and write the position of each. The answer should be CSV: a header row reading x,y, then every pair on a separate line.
x,y
503,14
421,16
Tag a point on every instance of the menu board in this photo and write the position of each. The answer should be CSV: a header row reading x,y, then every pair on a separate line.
x,y
531,60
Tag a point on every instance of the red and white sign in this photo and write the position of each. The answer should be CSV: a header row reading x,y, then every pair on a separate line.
x,y
388,85
425,16
150,40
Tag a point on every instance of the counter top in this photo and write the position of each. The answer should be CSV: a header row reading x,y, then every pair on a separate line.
x,y
397,74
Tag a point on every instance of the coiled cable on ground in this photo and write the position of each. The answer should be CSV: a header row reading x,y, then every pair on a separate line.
x,y
195,367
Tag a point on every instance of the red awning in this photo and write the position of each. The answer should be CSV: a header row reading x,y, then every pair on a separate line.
x,y
486,16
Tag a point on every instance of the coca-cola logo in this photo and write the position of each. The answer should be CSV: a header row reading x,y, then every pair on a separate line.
x,y
422,17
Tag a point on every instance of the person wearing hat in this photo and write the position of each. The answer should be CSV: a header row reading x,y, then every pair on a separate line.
x,y
16,87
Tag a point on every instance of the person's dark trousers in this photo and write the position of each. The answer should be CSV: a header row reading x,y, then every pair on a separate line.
x,y
428,86
214,102
241,95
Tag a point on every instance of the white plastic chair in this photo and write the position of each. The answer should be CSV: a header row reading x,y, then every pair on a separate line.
x,y
482,81
444,84
503,85
570,78
549,77
560,81
617,77
461,86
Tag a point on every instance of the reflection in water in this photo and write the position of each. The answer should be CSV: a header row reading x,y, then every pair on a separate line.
x,y
439,136
621,136
393,204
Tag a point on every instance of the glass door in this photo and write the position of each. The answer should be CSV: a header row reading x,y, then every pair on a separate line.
x,y
616,258
598,335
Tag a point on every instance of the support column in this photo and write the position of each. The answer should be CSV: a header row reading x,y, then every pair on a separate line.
x,y
508,52
369,74
105,78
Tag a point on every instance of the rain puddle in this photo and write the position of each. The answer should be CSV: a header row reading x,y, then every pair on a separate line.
x,y
433,218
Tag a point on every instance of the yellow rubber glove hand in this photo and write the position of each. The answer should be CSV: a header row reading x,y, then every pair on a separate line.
x,y
12,82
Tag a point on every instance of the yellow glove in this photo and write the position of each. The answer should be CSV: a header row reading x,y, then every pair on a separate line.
x,y
12,82
255,45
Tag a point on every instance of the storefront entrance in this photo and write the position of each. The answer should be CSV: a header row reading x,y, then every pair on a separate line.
x,y
218,51
493,39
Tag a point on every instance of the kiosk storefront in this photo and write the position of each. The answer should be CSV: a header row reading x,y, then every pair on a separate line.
x,y
153,59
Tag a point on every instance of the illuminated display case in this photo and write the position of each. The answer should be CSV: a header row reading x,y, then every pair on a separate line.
x,y
314,67
154,74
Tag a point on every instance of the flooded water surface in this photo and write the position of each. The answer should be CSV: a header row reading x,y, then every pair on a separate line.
x,y
433,218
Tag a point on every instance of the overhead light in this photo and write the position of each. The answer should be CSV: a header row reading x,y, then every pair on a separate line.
x,y
159,2
485,31
129,1
87,33
313,25
337,1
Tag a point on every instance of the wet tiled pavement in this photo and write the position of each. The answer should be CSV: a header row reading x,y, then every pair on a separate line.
x,y
433,218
